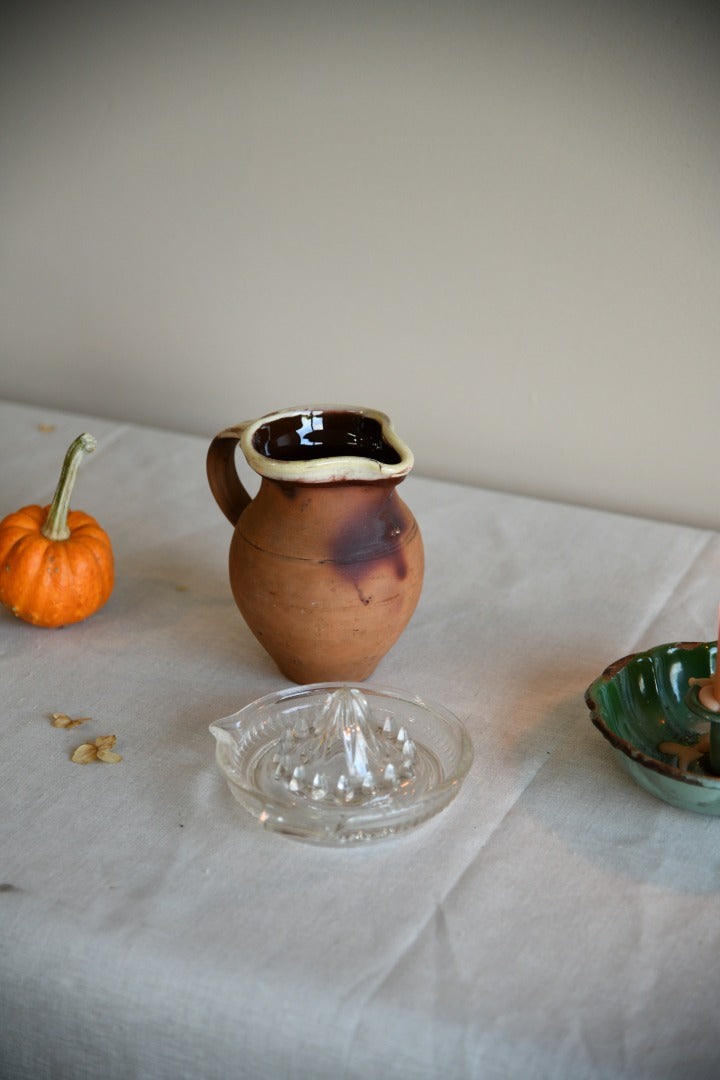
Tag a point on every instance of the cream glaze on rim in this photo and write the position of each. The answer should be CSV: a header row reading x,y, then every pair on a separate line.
x,y
325,470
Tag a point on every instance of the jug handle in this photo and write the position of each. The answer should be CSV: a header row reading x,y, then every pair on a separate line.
x,y
229,494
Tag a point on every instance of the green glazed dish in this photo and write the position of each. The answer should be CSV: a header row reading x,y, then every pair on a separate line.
x,y
640,703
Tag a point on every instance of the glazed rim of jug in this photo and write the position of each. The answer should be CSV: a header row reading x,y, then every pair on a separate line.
x,y
338,763
305,424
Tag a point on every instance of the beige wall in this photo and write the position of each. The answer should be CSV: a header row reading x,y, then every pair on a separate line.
x,y
500,223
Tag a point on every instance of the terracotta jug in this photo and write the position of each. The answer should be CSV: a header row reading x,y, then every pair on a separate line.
x,y
326,561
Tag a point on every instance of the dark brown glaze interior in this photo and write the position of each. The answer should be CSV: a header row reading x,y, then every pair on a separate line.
x,y
306,436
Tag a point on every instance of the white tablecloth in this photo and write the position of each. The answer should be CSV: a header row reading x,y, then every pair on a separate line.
x,y
554,921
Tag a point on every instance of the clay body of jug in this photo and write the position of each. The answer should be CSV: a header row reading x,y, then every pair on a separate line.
x,y
326,561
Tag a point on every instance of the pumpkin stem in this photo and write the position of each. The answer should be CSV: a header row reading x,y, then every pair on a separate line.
x,y
55,526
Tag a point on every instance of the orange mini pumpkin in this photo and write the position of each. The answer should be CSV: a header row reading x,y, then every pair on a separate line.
x,y
56,564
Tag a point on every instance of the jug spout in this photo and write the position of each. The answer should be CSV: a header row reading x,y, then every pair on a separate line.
x,y
221,730
325,444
